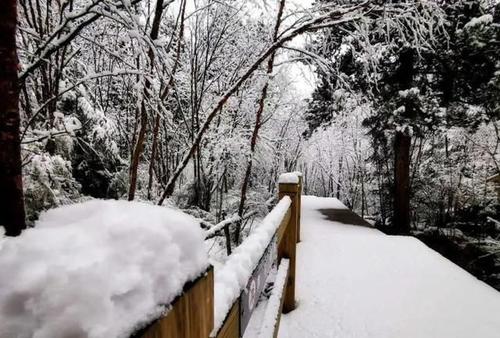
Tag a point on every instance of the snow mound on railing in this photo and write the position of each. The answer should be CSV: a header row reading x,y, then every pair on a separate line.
x,y
289,178
96,269
232,277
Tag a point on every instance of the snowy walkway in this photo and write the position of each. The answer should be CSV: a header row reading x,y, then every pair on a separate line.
x,y
353,281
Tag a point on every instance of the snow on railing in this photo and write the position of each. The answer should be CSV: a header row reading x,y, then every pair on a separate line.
x,y
239,282
108,268
97,269
273,308
233,276
291,178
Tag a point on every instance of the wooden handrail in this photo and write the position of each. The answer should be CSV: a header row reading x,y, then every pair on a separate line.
x,y
286,239
192,314
287,246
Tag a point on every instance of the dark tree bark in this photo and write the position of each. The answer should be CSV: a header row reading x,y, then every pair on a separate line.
x,y
339,180
402,144
401,219
12,214
363,195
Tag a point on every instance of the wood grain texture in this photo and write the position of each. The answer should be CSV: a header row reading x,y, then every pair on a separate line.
x,y
299,207
288,244
277,324
191,315
231,326
283,226
285,188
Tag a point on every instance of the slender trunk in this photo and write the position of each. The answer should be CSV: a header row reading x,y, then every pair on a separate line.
x,y
383,214
164,96
449,193
12,213
363,194
152,160
227,235
139,146
258,118
339,179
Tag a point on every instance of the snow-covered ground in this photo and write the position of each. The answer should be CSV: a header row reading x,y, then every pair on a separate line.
x,y
355,281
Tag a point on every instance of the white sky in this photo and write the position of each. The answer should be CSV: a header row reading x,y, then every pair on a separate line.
x,y
304,76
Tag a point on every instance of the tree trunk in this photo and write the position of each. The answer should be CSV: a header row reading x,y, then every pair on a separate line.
x,y
12,214
363,194
402,144
339,179
152,160
401,219
258,118
164,96
139,146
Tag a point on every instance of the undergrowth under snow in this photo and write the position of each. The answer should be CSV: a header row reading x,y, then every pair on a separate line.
x,y
96,269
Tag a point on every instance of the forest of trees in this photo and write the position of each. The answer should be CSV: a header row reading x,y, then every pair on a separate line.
x,y
199,104
410,107
146,100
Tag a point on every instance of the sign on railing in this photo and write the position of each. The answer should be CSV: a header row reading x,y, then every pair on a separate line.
x,y
256,283
282,246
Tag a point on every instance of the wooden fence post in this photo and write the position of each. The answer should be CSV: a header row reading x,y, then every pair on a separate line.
x,y
287,247
299,206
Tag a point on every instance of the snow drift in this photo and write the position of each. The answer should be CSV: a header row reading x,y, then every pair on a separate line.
x,y
96,269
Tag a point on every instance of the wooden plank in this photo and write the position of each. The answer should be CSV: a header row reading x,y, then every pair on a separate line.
x,y
277,325
231,326
201,307
191,315
299,208
283,226
288,188
288,244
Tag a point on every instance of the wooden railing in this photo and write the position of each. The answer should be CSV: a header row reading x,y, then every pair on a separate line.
x,y
192,314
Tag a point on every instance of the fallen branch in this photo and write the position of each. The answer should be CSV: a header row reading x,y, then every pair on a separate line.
x,y
215,229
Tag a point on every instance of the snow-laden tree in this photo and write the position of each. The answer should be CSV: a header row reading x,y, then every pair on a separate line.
x,y
425,66
336,156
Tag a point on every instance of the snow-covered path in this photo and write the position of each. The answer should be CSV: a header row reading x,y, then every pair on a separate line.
x,y
353,281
